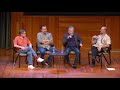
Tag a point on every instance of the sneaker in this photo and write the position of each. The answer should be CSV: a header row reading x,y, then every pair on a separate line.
x,y
40,59
74,66
30,67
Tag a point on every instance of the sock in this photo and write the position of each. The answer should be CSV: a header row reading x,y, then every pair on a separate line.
x,y
36,57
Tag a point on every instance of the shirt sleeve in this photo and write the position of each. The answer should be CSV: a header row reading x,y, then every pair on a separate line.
x,y
50,38
108,40
15,41
39,38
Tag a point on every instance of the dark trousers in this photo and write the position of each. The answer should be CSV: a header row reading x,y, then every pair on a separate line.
x,y
95,52
77,53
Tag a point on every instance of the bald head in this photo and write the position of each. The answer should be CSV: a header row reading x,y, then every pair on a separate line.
x,y
103,30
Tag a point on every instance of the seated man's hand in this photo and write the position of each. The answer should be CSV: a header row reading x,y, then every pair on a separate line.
x,y
23,48
99,48
81,44
69,36
45,41
94,36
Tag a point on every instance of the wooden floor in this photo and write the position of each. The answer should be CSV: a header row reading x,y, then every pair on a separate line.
x,y
58,70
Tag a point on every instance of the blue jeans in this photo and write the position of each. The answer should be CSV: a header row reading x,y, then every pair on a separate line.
x,y
30,52
43,51
77,53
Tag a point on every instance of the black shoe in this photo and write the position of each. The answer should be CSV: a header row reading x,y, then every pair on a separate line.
x,y
74,66
43,63
93,63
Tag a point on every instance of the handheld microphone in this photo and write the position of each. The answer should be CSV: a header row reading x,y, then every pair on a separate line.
x,y
71,35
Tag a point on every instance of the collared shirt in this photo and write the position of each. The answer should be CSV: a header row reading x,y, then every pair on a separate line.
x,y
44,36
22,41
102,40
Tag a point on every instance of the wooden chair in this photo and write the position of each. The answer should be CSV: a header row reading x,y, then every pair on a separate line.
x,y
73,53
107,51
18,56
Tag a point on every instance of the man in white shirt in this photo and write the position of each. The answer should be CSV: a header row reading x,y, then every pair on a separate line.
x,y
99,43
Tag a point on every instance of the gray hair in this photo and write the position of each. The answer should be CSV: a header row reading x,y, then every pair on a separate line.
x,y
71,28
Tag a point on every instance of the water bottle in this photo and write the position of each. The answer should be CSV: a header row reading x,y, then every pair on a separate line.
x,y
53,49
62,50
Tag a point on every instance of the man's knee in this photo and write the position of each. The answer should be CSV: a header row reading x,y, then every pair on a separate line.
x,y
42,51
30,48
67,51
29,53
77,52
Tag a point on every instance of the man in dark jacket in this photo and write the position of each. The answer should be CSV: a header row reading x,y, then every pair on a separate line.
x,y
72,42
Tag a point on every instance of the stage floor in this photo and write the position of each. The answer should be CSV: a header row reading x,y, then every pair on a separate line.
x,y
58,70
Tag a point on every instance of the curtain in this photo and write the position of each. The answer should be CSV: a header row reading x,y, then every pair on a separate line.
x,y
5,30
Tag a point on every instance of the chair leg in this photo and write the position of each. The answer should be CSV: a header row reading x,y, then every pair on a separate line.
x,y
79,59
110,57
101,60
36,61
15,60
19,61
53,59
26,60
13,56
107,60
89,58
64,59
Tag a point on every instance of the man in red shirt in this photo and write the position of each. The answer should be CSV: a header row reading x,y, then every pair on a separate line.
x,y
23,44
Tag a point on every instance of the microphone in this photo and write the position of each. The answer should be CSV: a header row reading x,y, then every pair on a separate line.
x,y
71,35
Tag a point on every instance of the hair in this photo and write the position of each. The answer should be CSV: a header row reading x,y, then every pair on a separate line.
x,y
71,28
43,26
21,31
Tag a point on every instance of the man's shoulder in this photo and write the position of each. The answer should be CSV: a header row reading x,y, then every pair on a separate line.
x,y
65,34
39,32
107,36
17,37
75,34
48,33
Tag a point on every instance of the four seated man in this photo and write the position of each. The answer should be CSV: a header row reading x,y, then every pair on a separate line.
x,y
71,42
